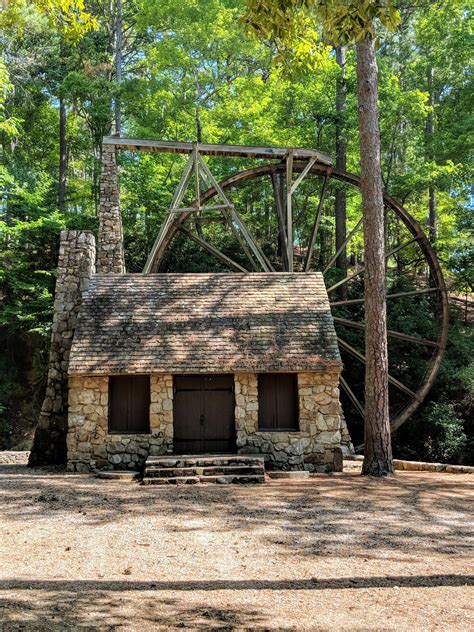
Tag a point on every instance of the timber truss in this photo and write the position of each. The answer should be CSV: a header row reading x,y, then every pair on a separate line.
x,y
197,170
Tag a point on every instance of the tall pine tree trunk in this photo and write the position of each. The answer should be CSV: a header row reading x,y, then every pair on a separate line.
x,y
118,65
430,129
378,459
62,156
341,161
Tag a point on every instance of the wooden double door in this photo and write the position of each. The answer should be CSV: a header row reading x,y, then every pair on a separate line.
x,y
203,414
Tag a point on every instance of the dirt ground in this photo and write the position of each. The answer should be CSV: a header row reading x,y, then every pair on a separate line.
x,y
329,553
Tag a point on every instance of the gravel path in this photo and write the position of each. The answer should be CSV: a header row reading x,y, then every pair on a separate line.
x,y
329,553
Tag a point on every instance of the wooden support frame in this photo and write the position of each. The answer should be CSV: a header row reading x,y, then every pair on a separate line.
x,y
207,149
289,208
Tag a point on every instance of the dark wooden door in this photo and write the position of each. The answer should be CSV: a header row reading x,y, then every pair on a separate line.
x,y
204,414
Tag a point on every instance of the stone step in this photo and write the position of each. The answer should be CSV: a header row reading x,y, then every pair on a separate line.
x,y
214,470
203,460
170,472
243,470
187,469
171,480
234,478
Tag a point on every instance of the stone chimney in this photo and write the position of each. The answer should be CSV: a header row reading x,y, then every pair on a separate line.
x,y
76,264
110,255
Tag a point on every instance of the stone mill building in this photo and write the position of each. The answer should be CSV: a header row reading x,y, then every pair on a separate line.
x,y
160,364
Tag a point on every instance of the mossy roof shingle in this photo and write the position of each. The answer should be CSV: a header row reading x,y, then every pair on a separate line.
x,y
134,323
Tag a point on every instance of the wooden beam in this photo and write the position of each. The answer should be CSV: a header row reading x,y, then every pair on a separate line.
x,y
317,220
303,174
277,183
205,149
352,397
255,248
289,208
213,250
343,245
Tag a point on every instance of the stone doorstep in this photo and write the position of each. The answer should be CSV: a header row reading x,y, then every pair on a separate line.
x,y
228,479
172,480
223,479
204,461
160,472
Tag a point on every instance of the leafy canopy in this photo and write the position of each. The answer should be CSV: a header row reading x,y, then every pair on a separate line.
x,y
342,21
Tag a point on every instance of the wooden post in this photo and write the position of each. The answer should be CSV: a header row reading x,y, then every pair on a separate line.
x,y
289,209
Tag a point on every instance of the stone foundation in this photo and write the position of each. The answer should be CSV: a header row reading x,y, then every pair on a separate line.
x,y
76,264
89,443
317,446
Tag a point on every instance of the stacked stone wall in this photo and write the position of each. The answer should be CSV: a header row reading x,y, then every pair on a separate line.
x,y
110,253
76,264
316,446
91,446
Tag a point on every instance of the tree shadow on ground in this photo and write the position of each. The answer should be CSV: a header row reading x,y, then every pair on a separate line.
x,y
110,605
326,516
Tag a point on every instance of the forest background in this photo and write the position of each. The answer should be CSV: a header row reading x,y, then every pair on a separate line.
x,y
188,71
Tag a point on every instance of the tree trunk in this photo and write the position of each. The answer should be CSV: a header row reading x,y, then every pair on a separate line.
x,y
378,459
341,160
62,156
118,65
430,129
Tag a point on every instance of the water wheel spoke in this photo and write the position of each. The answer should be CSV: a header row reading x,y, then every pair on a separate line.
x,y
413,292
256,250
317,220
358,406
240,239
345,280
390,332
343,245
359,356
353,301
169,219
362,269
402,246
289,209
233,265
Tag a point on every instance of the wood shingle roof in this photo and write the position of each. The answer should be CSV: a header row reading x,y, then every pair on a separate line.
x,y
168,323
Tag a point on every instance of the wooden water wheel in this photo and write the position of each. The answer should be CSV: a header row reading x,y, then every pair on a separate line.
x,y
296,195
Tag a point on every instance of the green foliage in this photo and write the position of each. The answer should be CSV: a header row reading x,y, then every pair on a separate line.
x,y
342,21
189,71
437,435
68,16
